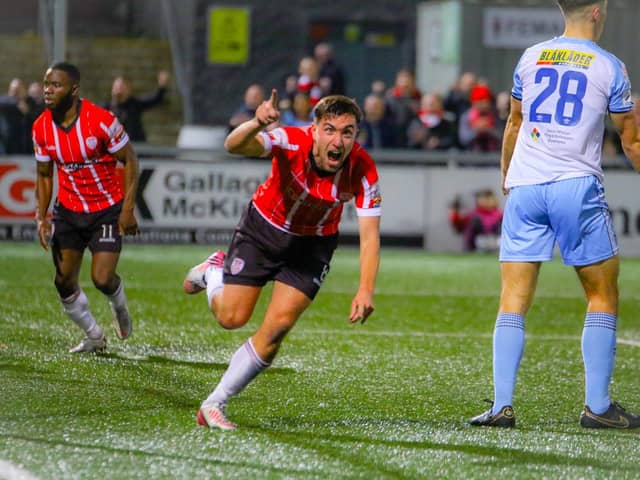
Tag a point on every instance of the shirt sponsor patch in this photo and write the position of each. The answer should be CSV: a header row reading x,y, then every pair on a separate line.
x,y
562,56
535,134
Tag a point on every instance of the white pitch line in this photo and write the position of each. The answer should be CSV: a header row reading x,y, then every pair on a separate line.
x,y
9,471
408,333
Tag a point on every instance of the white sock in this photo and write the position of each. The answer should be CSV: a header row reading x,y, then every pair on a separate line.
x,y
118,299
244,366
213,277
76,306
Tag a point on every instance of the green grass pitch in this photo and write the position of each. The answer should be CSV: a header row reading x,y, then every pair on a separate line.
x,y
388,399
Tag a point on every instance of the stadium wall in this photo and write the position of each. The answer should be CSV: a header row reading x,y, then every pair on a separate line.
x,y
201,202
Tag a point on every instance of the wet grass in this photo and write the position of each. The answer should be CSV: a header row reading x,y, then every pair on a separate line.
x,y
385,400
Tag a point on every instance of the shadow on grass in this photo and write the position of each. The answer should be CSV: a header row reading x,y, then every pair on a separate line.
x,y
333,444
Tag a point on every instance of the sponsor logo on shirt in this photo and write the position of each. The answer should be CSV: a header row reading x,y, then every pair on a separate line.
x,y
561,56
535,134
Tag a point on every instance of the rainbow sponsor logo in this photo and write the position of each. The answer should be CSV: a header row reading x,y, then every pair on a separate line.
x,y
535,134
570,58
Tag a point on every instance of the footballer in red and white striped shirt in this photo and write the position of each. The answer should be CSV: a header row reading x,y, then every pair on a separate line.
x,y
288,235
85,142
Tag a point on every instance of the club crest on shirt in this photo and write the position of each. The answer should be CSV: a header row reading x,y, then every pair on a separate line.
x,y
236,266
92,142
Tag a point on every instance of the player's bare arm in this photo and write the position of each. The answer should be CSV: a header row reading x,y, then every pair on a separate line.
x,y
625,125
244,139
127,221
514,121
44,190
362,304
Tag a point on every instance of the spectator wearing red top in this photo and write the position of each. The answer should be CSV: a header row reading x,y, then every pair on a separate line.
x,y
478,129
480,227
431,130
309,79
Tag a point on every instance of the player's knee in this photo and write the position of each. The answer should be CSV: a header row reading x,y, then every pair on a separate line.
x,y
230,320
104,282
65,286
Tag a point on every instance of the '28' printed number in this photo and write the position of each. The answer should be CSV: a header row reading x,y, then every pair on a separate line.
x,y
562,115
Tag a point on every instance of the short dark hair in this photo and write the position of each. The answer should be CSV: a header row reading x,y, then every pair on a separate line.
x,y
336,105
69,69
569,6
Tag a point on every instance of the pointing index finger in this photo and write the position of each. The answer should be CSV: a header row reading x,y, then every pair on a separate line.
x,y
274,97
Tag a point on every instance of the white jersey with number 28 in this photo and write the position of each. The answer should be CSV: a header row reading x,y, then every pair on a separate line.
x,y
566,87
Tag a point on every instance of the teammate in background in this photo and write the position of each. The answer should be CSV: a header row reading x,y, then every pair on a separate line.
x,y
91,210
288,235
551,170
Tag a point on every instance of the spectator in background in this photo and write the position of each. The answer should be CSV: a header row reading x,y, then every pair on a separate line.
x,y
480,227
299,115
253,96
404,102
285,101
503,107
457,99
36,93
431,130
377,129
332,81
378,87
129,108
18,112
309,79
477,130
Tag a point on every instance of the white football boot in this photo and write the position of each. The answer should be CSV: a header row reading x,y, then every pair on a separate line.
x,y
195,280
90,345
213,416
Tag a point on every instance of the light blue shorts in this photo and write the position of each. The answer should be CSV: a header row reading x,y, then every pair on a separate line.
x,y
573,213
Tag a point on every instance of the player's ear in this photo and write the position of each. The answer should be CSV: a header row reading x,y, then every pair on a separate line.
x,y
75,89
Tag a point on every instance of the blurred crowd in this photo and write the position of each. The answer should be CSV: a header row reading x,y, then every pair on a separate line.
x,y
469,116
23,104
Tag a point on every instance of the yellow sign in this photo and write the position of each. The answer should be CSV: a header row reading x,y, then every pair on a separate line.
x,y
229,35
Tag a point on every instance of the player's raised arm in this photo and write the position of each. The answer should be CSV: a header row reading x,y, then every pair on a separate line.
x,y
244,139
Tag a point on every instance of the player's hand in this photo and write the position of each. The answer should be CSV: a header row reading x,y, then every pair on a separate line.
x,y
44,233
127,223
361,307
267,112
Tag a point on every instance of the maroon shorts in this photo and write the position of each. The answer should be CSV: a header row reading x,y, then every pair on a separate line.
x,y
259,252
76,231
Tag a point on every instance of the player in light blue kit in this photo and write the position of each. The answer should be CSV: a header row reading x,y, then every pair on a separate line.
x,y
551,170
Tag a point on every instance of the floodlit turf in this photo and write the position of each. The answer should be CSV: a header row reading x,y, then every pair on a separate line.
x,y
385,400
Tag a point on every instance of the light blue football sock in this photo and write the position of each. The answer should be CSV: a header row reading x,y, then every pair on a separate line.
x,y
508,345
599,354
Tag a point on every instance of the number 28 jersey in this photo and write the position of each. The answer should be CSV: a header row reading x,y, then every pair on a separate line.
x,y
566,87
